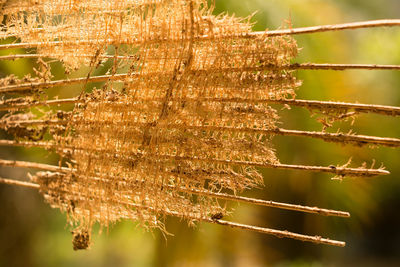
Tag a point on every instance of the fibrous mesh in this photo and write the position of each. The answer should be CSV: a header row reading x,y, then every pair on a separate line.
x,y
188,108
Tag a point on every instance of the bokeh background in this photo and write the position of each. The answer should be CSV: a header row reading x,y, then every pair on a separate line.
x,y
33,234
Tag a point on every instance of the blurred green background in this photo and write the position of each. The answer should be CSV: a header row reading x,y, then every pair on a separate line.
x,y
33,234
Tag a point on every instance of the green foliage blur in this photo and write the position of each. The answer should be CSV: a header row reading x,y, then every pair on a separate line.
x,y
33,234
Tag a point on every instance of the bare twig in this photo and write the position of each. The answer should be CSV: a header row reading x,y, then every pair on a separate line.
x,y
269,203
274,232
277,233
25,56
328,137
341,171
42,144
312,104
19,56
341,138
280,233
18,183
334,27
327,66
40,85
259,202
33,165
303,30
5,124
294,66
16,106
123,76
43,44
364,108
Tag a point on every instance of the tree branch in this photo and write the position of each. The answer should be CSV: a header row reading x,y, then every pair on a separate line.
x,y
33,165
340,171
263,230
333,27
19,183
313,104
293,31
41,85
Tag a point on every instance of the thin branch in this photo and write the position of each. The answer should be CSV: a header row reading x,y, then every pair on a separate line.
x,y
6,124
280,233
269,203
25,56
33,165
44,44
40,85
312,104
363,108
18,183
338,67
41,144
134,41
259,202
340,171
120,77
20,56
328,137
341,138
294,66
333,27
263,230
17,106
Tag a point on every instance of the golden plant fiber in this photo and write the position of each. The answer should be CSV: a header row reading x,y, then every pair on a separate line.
x,y
183,117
